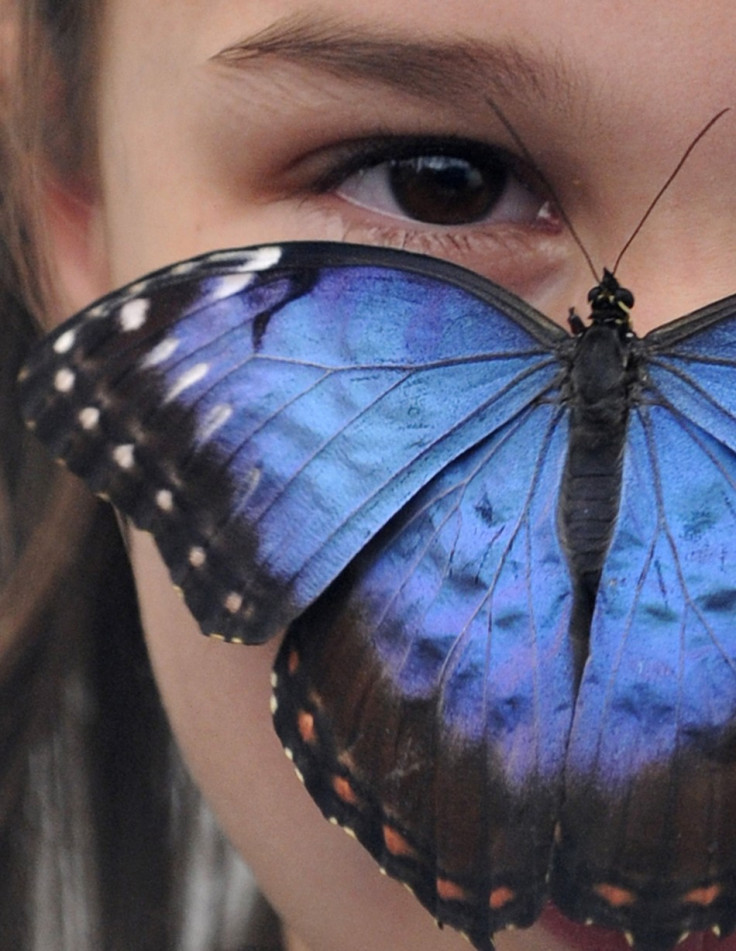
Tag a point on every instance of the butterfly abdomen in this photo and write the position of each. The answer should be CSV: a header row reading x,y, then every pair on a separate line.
x,y
597,394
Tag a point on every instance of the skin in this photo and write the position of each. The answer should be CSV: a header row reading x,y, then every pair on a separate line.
x,y
197,153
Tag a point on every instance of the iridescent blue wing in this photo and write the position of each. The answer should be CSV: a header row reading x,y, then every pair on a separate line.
x,y
426,699
648,830
265,412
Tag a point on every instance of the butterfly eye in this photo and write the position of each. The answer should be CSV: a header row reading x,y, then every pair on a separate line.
x,y
625,297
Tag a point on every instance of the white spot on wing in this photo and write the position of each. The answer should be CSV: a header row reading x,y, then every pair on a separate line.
x,y
273,704
124,456
137,289
64,380
251,482
165,500
261,259
161,352
197,556
233,602
215,418
89,417
186,267
65,342
133,315
230,285
188,378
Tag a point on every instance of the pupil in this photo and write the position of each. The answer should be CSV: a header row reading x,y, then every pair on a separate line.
x,y
446,190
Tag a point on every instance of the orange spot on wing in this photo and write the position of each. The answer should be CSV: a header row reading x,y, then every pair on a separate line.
x,y
396,843
448,890
616,896
292,664
344,790
305,724
703,896
500,897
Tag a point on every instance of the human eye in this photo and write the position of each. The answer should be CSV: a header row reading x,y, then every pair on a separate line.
x,y
448,183
464,200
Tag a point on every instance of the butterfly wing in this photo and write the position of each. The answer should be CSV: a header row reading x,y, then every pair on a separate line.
x,y
426,699
648,830
265,412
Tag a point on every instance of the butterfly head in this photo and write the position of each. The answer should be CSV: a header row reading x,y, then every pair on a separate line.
x,y
610,303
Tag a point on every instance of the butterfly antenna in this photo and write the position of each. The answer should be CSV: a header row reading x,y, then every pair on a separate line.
x,y
706,128
529,158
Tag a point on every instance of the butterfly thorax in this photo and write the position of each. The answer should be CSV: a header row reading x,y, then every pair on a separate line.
x,y
597,394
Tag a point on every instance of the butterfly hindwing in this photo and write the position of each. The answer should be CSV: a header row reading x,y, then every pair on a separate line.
x,y
411,699
234,406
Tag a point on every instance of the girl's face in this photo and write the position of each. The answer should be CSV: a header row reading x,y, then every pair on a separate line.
x,y
236,122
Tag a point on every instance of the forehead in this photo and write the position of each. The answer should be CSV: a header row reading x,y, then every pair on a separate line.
x,y
658,48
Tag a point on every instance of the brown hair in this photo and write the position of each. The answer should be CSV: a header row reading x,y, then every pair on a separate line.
x,y
97,817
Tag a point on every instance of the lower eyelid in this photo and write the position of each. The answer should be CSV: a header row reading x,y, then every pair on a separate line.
x,y
516,256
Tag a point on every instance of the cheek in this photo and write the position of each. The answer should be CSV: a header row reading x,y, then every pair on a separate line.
x,y
216,696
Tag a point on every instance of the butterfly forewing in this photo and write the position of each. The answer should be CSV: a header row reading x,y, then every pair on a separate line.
x,y
691,363
236,413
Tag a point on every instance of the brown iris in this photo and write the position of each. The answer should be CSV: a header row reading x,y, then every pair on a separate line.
x,y
446,189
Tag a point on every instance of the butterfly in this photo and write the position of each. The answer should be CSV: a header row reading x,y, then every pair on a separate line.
x,y
504,556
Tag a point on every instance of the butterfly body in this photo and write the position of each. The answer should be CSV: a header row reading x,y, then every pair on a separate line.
x,y
503,555
603,372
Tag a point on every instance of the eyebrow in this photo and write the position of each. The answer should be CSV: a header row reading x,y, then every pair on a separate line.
x,y
426,68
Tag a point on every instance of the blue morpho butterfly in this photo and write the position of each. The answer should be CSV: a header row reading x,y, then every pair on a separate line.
x,y
505,556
